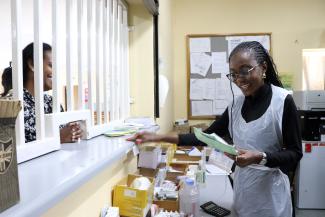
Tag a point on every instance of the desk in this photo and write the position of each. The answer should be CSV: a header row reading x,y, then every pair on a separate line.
x,y
217,189
48,180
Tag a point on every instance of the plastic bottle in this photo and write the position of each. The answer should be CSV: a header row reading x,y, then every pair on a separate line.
x,y
189,198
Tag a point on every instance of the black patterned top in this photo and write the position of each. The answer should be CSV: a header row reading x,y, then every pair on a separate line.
x,y
29,112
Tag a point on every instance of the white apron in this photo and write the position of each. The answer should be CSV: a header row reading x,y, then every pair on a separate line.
x,y
260,191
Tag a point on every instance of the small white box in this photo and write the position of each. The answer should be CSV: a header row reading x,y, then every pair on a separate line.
x,y
149,157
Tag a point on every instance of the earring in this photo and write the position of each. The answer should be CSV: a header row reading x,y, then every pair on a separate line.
x,y
264,76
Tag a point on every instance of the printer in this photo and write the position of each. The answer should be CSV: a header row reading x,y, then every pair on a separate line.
x,y
310,174
310,100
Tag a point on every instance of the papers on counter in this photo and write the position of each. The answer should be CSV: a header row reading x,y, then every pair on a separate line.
x,y
215,141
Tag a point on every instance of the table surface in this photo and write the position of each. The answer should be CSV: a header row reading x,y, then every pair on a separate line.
x,y
219,190
46,180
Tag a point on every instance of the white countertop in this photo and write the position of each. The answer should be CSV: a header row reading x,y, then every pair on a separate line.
x,y
46,180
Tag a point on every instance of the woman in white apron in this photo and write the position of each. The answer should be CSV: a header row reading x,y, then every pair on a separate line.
x,y
264,127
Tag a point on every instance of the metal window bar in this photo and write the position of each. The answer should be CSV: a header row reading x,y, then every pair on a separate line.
x,y
89,57
69,82
105,60
17,69
38,71
98,68
126,97
81,93
55,60
112,61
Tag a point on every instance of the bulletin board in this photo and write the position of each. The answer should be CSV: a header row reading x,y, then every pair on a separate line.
x,y
208,88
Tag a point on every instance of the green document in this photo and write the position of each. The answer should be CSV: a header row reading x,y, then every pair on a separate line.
x,y
215,141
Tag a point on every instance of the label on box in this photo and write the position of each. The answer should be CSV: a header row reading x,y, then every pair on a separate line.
x,y
130,193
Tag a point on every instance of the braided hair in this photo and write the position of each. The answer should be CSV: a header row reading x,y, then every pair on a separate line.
x,y
261,55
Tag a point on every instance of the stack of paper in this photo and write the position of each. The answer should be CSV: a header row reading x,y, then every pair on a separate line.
x,y
215,141
121,131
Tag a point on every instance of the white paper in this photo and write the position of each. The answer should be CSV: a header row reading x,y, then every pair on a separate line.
x,y
202,89
233,42
200,45
263,39
222,88
202,108
200,63
219,106
219,62
196,89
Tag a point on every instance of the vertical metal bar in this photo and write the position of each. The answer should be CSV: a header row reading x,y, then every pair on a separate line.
x,y
69,85
98,77
110,50
126,64
119,62
81,93
38,71
17,72
115,61
105,60
55,80
89,56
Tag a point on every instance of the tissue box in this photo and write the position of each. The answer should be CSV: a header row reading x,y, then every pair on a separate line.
x,y
149,157
132,202
9,188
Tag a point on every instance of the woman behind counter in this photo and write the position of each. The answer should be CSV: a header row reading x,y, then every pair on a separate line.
x,y
264,127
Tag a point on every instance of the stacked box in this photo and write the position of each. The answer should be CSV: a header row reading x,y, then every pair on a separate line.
x,y
132,202
9,188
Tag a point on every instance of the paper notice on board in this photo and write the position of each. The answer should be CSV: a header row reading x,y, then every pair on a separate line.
x,y
233,41
222,88
196,89
219,106
202,89
202,107
200,63
263,39
219,62
200,45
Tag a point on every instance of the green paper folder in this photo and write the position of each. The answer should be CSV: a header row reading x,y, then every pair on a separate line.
x,y
214,141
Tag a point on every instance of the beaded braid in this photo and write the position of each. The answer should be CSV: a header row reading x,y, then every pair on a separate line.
x,y
261,55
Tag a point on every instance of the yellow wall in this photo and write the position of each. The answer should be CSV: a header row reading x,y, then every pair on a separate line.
x,y
89,199
295,25
141,62
166,63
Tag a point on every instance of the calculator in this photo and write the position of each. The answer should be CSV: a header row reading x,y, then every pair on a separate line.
x,y
214,209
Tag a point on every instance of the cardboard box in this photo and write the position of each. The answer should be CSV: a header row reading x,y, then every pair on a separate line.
x,y
169,205
132,202
180,170
9,188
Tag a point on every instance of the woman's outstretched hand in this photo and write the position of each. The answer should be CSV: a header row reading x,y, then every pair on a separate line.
x,y
246,157
143,137
70,133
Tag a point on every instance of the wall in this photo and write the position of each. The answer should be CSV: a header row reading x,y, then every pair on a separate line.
x,y
90,198
141,62
295,25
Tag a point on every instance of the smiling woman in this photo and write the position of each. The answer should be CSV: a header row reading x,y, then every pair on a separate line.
x,y
70,132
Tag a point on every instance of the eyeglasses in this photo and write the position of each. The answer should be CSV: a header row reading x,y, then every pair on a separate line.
x,y
243,72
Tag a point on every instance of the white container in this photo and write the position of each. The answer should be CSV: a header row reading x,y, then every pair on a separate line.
x,y
189,198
